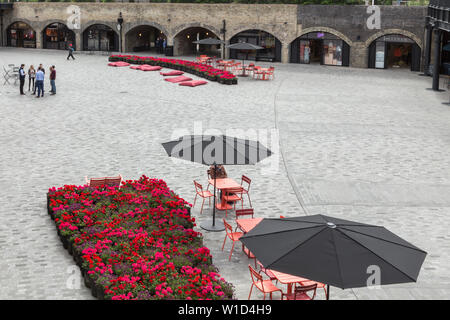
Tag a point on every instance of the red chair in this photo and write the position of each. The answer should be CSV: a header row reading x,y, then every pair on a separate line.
x,y
301,293
265,286
244,212
105,181
246,189
241,213
203,194
266,271
234,236
232,195
250,68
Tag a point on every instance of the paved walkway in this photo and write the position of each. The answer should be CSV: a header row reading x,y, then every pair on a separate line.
x,y
367,145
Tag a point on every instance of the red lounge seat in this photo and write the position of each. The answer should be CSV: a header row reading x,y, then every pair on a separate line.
x,y
172,73
178,79
118,64
150,68
193,83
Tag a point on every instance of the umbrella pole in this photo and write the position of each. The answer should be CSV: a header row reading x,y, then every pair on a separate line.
x,y
328,292
208,225
214,209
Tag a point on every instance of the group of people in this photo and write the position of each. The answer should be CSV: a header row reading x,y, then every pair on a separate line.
x,y
36,79
160,45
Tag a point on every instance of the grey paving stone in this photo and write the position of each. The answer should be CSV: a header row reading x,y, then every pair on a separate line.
x,y
365,145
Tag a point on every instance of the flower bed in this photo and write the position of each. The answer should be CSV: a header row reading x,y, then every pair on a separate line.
x,y
135,242
198,69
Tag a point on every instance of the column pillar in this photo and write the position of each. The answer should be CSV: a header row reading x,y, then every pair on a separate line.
x,y
226,51
427,57
437,58
285,53
39,39
78,41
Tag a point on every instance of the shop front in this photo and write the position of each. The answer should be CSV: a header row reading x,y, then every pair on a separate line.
x,y
271,45
320,48
394,51
20,34
58,36
100,37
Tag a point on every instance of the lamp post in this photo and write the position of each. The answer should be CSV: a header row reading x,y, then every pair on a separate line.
x,y
119,27
223,32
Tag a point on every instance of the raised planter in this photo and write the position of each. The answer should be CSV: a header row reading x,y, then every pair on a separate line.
x,y
198,69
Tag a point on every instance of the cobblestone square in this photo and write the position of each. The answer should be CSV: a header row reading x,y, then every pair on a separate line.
x,y
359,144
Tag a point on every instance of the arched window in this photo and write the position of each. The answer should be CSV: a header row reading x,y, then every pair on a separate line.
x,y
394,51
20,34
321,48
58,36
145,38
271,45
100,37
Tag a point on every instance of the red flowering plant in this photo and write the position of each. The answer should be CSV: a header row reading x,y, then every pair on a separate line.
x,y
200,69
135,242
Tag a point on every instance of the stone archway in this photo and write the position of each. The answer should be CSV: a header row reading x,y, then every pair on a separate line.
x,y
22,33
100,37
57,35
184,37
144,37
324,29
405,33
272,45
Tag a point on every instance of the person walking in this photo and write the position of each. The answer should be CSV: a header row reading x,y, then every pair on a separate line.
x,y
40,82
31,77
53,79
22,78
71,50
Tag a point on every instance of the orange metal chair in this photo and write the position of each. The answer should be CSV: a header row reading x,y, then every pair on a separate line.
x,y
265,286
266,271
244,212
106,181
203,194
234,236
256,72
246,190
300,293
232,195
250,68
270,73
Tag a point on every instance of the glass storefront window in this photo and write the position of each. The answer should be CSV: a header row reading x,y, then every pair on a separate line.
x,y
305,51
332,52
260,38
21,34
100,38
379,54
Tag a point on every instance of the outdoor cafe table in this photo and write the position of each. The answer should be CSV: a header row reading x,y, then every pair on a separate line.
x,y
247,224
223,184
290,280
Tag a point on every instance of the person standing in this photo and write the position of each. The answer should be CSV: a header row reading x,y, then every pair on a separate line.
x,y
40,82
31,77
43,70
22,78
53,79
71,50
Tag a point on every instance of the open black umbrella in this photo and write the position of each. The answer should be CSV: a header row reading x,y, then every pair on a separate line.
x,y
334,251
216,150
245,46
209,41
